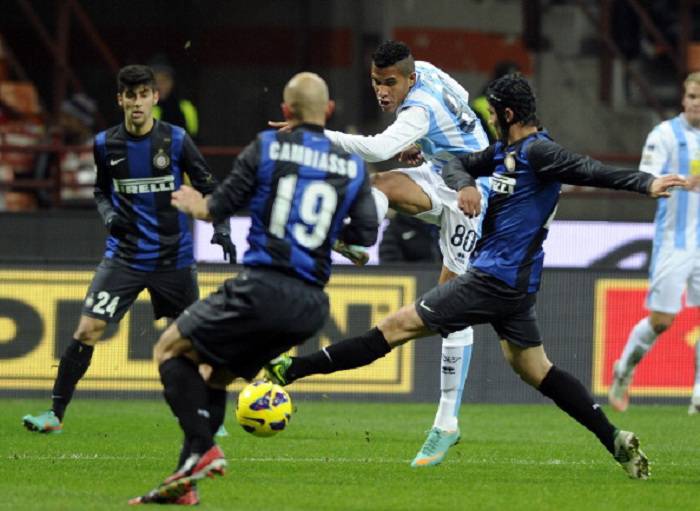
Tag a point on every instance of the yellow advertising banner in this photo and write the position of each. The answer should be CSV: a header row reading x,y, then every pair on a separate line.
x,y
39,310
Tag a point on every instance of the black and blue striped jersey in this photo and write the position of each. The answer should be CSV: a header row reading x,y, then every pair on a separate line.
x,y
300,189
526,178
135,178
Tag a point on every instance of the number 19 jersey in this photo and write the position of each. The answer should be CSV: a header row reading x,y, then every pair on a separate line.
x,y
299,188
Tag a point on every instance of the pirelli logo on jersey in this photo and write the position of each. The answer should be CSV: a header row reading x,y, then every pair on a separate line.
x,y
320,160
145,185
40,309
502,184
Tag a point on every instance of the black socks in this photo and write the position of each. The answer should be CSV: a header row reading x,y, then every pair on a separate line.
x,y
74,362
186,393
348,354
570,395
217,413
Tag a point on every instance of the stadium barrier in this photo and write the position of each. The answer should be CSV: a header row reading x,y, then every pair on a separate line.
x,y
584,316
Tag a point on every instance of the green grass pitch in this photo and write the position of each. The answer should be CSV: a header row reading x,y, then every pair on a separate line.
x,y
352,456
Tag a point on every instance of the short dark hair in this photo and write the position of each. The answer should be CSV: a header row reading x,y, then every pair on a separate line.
x,y
134,75
389,53
513,91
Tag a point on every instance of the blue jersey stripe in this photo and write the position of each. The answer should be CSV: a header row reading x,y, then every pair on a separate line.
x,y
683,168
139,160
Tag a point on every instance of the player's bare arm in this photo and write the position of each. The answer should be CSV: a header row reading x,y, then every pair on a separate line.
x,y
191,202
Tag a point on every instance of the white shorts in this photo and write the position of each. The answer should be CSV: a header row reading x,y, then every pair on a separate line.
x,y
458,233
673,271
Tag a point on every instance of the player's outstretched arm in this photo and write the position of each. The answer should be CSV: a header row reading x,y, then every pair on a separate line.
x,y
661,186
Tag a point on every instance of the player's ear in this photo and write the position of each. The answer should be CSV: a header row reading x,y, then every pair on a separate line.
x,y
119,99
287,112
509,115
330,108
156,96
412,79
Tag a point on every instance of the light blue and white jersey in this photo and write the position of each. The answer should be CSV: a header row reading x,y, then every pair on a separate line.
x,y
673,147
454,127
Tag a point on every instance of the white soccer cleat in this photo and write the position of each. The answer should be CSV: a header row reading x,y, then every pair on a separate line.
x,y
618,394
694,407
355,253
630,456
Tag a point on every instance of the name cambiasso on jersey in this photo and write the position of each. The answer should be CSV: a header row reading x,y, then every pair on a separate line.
x,y
308,157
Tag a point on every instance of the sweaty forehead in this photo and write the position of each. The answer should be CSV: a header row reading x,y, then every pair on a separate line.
x,y
386,73
693,88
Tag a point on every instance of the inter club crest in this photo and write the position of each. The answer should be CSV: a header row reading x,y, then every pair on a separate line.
x,y
161,160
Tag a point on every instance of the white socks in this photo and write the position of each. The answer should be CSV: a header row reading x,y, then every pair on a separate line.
x,y
381,202
640,341
454,367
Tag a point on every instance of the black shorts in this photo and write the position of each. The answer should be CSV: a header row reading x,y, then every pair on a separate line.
x,y
114,289
476,298
252,319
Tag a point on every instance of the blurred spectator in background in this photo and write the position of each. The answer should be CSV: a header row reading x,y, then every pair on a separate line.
x,y
480,105
171,107
20,125
77,167
408,239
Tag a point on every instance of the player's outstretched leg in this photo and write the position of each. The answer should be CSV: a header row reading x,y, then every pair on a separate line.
x,y
569,394
454,368
348,354
640,341
72,367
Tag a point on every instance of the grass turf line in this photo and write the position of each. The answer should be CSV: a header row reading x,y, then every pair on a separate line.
x,y
352,456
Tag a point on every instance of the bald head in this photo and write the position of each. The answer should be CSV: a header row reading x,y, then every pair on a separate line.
x,y
306,99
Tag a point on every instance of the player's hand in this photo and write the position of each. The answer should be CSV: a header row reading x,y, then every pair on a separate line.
x,y
222,237
661,186
412,156
469,201
282,126
191,202
117,227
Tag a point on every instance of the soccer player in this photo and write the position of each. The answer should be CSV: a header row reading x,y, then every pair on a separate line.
x,y
672,146
432,112
500,287
140,162
300,188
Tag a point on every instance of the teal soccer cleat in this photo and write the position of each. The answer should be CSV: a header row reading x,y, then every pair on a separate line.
x,y
276,370
46,422
435,447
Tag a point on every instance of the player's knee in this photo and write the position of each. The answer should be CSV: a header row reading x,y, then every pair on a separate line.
x,y
89,331
661,325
